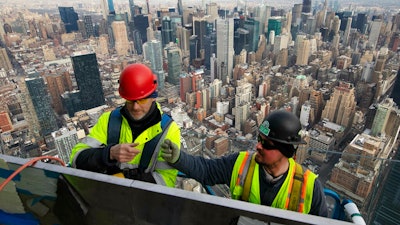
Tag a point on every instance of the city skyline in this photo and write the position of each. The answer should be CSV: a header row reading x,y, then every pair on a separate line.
x,y
334,69
251,3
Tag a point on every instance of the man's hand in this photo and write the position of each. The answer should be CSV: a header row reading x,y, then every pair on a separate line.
x,y
124,152
169,151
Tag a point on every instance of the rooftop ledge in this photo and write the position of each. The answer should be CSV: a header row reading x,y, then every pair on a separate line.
x,y
56,194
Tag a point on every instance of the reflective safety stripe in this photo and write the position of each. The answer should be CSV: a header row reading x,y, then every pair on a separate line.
x,y
127,166
303,191
162,165
153,160
158,178
243,170
289,189
249,177
92,142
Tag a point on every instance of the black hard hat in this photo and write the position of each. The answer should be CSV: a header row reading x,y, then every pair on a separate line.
x,y
283,127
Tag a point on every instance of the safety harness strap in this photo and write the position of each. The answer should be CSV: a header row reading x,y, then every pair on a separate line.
x,y
249,178
114,126
243,169
114,130
150,147
295,194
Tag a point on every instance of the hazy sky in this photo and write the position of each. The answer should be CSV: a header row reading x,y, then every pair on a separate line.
x,y
394,4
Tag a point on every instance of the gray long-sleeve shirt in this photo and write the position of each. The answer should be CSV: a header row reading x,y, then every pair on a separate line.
x,y
219,171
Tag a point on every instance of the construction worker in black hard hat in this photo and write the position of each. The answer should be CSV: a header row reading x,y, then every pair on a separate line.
x,y
268,176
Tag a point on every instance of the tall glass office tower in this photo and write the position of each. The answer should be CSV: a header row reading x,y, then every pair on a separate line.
x,y
41,103
69,18
174,64
386,210
153,53
87,77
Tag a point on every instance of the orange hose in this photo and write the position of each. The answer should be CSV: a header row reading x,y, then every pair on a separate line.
x,y
29,163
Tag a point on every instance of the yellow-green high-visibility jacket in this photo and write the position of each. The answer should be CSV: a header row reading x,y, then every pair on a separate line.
x,y
282,199
97,139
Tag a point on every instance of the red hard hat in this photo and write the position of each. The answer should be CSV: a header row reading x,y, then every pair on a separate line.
x,y
137,81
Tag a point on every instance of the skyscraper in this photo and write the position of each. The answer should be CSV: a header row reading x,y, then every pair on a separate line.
x,y
183,37
361,24
41,103
65,139
374,33
72,102
253,27
243,93
262,14
200,29
194,48
199,100
347,31
174,64
225,50
340,108
89,26
212,10
209,49
316,102
215,88
57,85
108,8
389,197
303,52
335,28
296,14
28,110
357,174
70,18
141,24
180,7
306,6
82,29
382,116
280,42
176,21
102,47
122,46
166,30
153,53
213,67
241,40
87,77
185,86
274,24
205,93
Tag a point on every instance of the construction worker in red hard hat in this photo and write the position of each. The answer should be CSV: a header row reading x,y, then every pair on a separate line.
x,y
268,176
127,140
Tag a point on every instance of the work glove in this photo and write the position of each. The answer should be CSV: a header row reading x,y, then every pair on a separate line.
x,y
170,151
